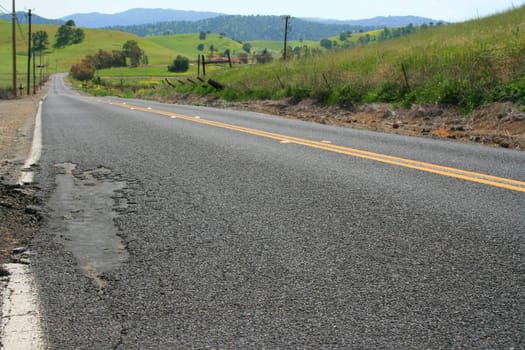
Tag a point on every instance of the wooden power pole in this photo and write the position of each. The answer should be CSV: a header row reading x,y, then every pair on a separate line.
x,y
29,56
286,20
14,48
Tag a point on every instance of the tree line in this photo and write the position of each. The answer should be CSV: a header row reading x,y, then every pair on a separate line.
x,y
131,51
345,41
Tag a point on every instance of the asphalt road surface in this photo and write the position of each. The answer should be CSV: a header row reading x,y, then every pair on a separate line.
x,y
180,227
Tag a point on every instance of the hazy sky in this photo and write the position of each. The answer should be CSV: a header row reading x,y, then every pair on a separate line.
x,y
448,10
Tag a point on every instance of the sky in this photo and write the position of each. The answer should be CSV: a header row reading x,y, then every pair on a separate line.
x,y
447,10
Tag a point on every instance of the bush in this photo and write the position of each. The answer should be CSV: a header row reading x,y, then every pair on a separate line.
x,y
513,91
351,95
180,65
83,71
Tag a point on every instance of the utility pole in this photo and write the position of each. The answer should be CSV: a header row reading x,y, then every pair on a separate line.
x,y
286,20
29,57
14,48
34,71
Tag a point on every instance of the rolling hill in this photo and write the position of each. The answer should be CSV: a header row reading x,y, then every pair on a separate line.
x,y
186,44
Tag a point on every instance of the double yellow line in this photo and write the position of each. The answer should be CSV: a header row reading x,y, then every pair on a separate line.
x,y
485,179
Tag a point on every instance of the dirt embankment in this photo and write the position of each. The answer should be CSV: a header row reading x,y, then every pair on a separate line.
x,y
498,124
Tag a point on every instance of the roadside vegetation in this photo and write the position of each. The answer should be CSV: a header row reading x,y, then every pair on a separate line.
x,y
466,65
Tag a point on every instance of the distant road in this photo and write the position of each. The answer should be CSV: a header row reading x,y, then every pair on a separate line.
x,y
182,227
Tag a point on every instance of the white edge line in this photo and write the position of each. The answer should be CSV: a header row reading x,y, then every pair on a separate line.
x,y
27,176
21,327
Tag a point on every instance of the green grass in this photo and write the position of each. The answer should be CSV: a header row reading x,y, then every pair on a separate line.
x,y
144,71
354,38
276,47
186,44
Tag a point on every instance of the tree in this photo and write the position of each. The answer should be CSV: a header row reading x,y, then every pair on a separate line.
x,y
180,64
132,51
104,59
118,59
247,47
327,44
264,57
200,47
67,35
365,39
77,36
40,40
202,36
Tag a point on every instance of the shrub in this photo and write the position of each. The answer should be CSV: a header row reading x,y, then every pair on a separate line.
x,y
83,71
180,65
351,95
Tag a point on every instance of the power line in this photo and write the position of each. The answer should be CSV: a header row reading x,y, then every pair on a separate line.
x,y
21,31
4,9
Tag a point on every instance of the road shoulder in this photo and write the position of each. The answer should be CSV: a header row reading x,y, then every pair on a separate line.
x,y
19,216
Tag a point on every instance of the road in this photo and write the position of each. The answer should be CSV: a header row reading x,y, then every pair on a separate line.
x,y
183,227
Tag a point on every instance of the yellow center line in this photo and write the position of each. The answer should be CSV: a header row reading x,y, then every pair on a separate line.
x,y
486,179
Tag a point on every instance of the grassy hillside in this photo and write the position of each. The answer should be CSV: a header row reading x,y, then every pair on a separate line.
x,y
276,47
186,44
61,60
464,64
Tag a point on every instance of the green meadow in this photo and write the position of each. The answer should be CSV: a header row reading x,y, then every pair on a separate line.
x,y
187,44
276,47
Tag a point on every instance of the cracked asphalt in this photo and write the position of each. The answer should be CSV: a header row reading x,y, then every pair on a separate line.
x,y
236,241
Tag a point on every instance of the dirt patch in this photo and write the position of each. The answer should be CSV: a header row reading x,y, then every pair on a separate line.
x,y
17,120
498,124
19,217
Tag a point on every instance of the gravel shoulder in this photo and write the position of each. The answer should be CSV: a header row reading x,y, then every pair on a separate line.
x,y
18,215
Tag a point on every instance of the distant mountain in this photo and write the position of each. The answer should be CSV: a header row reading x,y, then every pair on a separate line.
x,y
380,22
136,17
35,19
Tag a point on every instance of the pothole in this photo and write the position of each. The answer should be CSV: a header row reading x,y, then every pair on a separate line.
x,y
85,204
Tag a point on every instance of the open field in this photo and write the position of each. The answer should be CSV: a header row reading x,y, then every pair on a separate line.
x,y
276,47
186,44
